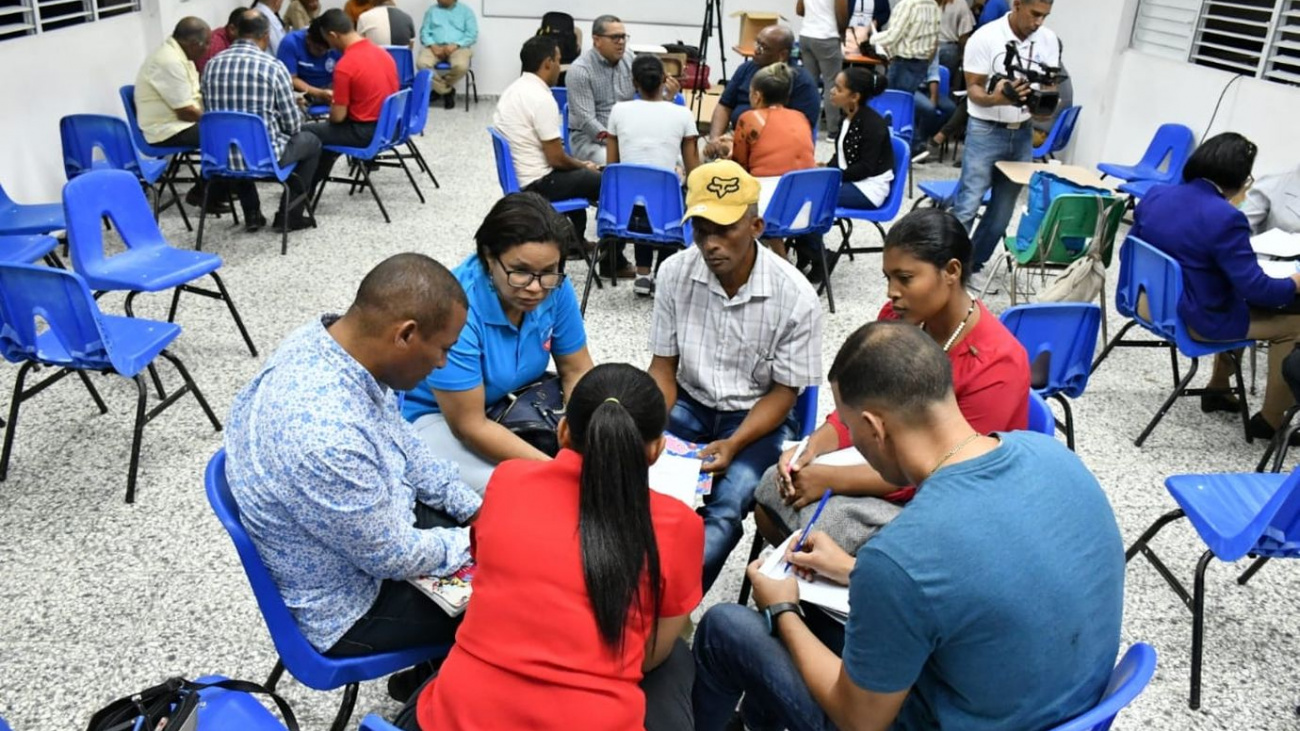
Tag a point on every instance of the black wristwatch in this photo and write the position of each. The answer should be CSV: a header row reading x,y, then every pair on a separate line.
x,y
776,610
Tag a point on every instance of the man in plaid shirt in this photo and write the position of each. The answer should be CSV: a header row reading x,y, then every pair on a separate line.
x,y
246,78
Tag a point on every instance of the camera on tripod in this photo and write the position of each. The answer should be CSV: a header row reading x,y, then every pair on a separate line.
x,y
1039,102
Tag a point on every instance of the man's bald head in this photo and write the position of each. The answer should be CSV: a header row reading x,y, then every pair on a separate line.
x,y
773,44
252,26
192,35
892,367
408,287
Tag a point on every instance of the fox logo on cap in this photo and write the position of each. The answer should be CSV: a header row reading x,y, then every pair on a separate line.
x,y
722,186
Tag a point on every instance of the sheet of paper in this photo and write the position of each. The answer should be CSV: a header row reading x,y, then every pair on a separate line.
x,y
676,477
819,591
1279,268
1276,243
839,458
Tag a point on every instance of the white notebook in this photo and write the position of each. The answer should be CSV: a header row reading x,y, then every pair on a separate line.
x,y
1277,244
819,591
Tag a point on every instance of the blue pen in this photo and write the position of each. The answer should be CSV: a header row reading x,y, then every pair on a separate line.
x,y
798,545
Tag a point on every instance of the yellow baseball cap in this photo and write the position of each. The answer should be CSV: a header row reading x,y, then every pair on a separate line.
x,y
720,192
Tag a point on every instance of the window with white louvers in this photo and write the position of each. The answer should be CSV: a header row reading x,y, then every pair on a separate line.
x,y
1257,38
20,18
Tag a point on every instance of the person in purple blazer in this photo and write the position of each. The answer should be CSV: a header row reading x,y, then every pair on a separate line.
x,y
1226,295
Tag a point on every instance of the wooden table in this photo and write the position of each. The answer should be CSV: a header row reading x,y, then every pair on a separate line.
x,y
856,59
746,51
1021,172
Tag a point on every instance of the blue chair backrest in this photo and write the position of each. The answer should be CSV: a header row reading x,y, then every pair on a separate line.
x,y
1172,144
133,124
289,641
506,176
812,192
417,107
405,61
805,411
656,191
1127,681
1060,338
902,157
117,195
1060,134
564,127
945,81
1145,269
82,134
236,144
63,301
901,108
390,130
1041,419
561,95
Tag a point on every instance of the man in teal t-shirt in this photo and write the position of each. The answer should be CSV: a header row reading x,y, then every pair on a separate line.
x,y
447,35
992,602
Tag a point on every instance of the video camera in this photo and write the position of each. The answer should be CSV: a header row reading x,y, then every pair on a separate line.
x,y
1040,103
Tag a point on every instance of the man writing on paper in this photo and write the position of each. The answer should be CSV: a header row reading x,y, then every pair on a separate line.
x,y
992,602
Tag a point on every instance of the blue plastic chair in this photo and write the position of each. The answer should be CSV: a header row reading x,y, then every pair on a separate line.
x,y
899,109
29,249
470,80
18,219
175,155
237,146
1127,681
83,134
389,133
1163,160
303,661
149,263
844,217
639,203
805,414
561,95
222,708
943,193
405,61
1136,189
1040,416
417,118
1060,338
565,132
5,727
802,204
1060,135
1145,270
1255,514
509,181
79,338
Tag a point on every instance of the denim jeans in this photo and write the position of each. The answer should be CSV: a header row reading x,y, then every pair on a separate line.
x,y
735,655
986,145
928,119
732,497
907,74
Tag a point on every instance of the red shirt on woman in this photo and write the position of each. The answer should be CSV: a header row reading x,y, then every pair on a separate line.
x,y
990,376
529,655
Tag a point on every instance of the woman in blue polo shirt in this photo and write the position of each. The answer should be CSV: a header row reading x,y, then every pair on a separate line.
x,y
522,312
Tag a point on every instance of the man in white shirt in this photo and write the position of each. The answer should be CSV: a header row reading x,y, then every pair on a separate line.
x,y
956,23
528,117
1274,202
824,23
999,127
271,10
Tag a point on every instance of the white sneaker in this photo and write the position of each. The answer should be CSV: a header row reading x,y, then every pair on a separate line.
x,y
978,281
644,286
921,156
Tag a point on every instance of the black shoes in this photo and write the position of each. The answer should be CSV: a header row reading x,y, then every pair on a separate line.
x,y
296,222
1211,402
449,100
1259,428
406,683
253,222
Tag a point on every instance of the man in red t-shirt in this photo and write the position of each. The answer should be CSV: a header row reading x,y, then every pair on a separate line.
x,y
363,79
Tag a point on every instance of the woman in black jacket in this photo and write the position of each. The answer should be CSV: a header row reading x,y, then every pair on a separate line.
x,y
863,150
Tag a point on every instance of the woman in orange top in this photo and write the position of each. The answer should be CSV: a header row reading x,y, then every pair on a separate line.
x,y
772,139
585,580
354,8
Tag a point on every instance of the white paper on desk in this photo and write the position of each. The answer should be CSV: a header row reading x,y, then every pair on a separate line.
x,y
847,457
819,591
1279,268
676,477
1276,243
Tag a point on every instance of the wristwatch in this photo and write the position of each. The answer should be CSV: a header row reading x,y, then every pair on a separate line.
x,y
775,610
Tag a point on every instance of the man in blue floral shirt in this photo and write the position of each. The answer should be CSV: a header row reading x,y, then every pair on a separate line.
x,y
343,501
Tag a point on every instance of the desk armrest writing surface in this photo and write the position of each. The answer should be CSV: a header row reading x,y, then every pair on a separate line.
x,y
1020,173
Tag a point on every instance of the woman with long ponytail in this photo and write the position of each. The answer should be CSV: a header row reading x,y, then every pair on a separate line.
x,y
585,579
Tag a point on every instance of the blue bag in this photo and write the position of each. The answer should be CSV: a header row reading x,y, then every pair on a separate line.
x,y
1044,187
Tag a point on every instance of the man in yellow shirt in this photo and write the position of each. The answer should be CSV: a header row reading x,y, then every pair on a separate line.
x,y
168,102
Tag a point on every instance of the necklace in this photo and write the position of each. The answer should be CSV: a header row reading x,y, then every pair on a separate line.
x,y
953,451
953,338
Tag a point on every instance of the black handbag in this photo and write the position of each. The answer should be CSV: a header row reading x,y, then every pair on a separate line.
x,y
533,412
173,706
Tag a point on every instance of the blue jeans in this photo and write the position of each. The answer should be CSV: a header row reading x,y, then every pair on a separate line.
x,y
732,497
735,656
986,145
907,74
928,119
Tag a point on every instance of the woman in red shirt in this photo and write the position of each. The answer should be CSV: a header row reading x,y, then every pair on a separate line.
x,y
926,262
585,579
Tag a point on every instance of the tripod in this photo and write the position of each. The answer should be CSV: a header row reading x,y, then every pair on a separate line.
x,y
712,19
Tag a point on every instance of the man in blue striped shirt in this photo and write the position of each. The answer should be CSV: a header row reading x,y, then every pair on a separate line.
x,y
246,78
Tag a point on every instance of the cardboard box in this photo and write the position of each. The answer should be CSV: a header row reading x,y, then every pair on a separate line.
x,y
674,63
751,22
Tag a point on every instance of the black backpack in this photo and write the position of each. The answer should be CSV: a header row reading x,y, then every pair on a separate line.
x,y
561,26
174,705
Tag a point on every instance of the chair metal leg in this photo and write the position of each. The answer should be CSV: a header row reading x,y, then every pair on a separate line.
x,y
1282,442
1164,408
424,164
407,169
277,672
745,585
284,219
190,386
1198,628
826,282
99,402
1251,570
176,301
1173,362
203,216
1142,546
593,261
11,425
366,175
1112,344
234,313
1068,426
137,435
180,206
1241,396
345,707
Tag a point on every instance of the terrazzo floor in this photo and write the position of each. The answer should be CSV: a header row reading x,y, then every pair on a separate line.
x,y
101,598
